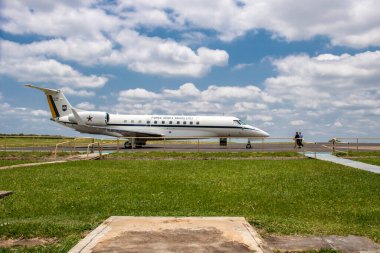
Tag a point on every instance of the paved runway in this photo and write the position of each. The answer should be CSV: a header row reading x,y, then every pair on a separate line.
x,y
212,147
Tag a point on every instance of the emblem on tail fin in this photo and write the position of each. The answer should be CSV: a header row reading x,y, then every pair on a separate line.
x,y
64,108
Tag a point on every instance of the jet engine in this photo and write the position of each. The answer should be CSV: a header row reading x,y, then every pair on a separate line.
x,y
92,118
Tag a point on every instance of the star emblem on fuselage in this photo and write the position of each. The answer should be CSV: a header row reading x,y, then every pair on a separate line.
x,y
89,118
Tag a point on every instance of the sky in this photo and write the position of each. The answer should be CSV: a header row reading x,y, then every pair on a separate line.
x,y
282,66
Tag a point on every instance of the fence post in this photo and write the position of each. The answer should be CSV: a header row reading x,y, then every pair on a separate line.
x,y
5,143
117,147
198,145
357,144
333,142
100,149
33,144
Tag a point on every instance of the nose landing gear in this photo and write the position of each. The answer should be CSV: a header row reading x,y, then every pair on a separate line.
x,y
127,145
248,146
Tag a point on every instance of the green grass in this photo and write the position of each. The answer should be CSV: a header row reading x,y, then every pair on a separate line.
x,y
200,155
18,157
358,153
41,141
29,141
305,196
13,162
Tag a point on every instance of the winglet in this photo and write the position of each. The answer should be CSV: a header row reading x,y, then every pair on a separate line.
x,y
77,117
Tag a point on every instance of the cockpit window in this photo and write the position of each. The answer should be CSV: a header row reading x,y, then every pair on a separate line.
x,y
238,122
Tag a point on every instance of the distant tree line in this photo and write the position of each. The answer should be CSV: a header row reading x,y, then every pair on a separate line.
x,y
36,135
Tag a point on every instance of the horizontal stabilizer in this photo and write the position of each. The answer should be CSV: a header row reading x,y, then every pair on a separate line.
x,y
45,90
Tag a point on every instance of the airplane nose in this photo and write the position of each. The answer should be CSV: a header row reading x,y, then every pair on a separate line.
x,y
257,132
262,133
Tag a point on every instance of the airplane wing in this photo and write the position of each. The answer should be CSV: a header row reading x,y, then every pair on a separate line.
x,y
77,117
118,132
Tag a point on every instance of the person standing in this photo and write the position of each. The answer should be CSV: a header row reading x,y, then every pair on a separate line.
x,y
300,140
296,140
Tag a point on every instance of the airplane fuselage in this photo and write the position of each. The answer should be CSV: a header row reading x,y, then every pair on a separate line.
x,y
167,126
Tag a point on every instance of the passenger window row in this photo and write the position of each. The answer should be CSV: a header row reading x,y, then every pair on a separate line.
x,y
163,122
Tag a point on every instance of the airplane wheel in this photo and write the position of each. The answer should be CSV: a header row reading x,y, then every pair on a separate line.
x,y
248,146
127,144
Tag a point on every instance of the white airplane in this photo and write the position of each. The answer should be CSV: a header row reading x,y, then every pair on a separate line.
x,y
140,128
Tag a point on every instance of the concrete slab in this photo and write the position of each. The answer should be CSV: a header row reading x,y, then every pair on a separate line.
x,y
171,234
347,162
3,194
345,244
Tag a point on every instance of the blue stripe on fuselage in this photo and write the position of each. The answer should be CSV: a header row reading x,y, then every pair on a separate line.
x,y
193,126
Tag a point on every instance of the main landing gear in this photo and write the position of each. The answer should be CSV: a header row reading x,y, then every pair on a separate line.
x,y
248,146
134,143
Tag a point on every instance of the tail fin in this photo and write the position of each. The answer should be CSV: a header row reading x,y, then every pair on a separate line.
x,y
58,104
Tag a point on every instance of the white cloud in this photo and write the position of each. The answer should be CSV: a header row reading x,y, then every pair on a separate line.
x,y
79,93
326,80
26,65
48,70
136,94
56,19
351,23
241,66
322,89
297,122
85,106
246,106
40,112
153,55
185,90
260,117
103,38
107,33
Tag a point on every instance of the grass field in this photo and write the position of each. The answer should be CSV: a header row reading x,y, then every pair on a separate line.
x,y
15,157
359,154
13,162
66,201
201,155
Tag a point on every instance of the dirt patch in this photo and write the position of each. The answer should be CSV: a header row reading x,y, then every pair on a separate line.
x,y
171,240
31,242
345,244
